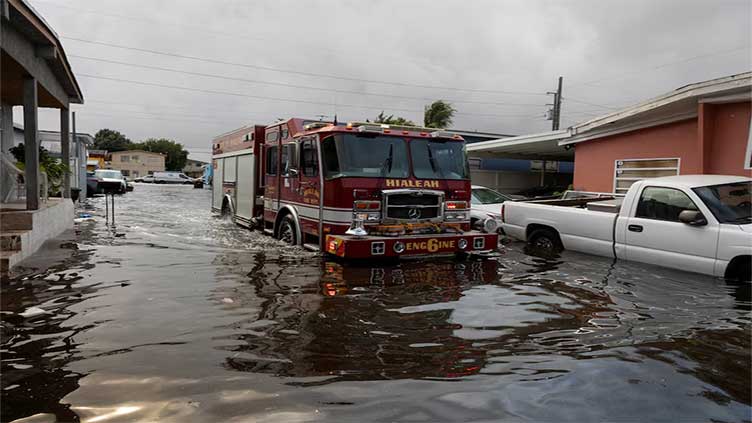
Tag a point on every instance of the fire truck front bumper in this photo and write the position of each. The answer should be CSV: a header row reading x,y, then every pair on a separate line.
x,y
352,247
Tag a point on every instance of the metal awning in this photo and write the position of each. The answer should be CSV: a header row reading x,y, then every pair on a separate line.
x,y
542,146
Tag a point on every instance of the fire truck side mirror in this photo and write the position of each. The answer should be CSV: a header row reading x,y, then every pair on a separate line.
x,y
293,173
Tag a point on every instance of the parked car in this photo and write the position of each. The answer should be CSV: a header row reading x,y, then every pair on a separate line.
x,y
697,223
148,179
172,178
110,181
485,204
92,186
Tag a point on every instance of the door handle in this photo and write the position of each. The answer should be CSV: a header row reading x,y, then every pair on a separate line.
x,y
635,228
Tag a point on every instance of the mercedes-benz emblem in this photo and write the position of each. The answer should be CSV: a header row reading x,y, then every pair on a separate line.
x,y
413,213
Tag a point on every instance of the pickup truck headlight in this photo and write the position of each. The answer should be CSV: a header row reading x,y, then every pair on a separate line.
x,y
490,225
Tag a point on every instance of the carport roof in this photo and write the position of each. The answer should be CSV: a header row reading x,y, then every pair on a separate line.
x,y
542,146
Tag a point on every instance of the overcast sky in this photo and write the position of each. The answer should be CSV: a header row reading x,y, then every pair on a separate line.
x,y
494,60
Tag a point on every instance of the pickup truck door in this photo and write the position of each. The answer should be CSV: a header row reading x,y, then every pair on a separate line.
x,y
655,235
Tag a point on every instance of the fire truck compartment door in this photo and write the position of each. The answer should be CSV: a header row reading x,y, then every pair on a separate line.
x,y
245,186
217,192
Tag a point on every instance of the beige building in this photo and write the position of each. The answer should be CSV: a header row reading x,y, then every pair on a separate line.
x,y
137,163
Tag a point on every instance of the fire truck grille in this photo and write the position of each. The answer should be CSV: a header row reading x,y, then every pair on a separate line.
x,y
405,213
413,206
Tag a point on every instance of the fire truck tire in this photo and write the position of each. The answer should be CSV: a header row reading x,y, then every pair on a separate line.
x,y
287,230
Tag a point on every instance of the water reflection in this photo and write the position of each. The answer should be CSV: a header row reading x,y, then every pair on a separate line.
x,y
176,315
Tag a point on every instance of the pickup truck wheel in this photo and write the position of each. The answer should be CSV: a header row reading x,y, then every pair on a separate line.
x,y
287,231
545,239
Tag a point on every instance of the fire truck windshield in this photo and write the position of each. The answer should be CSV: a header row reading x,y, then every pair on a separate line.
x,y
438,159
365,156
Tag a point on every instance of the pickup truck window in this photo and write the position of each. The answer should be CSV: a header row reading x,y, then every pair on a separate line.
x,y
661,203
729,203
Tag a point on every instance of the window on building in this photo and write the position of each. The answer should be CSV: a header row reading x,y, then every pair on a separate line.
x,y
125,158
126,172
309,159
135,174
628,171
271,160
134,158
663,204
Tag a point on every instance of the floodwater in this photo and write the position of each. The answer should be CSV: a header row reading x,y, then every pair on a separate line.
x,y
176,315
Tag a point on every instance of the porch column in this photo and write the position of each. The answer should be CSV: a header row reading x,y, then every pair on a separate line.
x,y
6,143
31,143
65,152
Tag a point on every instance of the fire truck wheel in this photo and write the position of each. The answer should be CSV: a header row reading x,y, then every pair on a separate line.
x,y
287,231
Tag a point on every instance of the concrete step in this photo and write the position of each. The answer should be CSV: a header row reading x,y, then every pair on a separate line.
x,y
16,220
11,240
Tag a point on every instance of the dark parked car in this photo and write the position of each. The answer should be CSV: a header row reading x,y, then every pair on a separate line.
x,y
92,185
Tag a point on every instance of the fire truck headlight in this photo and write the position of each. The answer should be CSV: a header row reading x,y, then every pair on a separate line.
x,y
399,247
462,243
455,216
368,217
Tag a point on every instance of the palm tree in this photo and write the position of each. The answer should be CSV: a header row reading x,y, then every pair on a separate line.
x,y
438,114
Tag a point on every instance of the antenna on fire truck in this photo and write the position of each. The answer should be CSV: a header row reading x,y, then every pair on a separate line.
x,y
335,120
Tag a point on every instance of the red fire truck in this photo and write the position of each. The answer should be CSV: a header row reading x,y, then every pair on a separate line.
x,y
360,190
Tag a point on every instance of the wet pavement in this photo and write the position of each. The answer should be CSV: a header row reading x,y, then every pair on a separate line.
x,y
177,315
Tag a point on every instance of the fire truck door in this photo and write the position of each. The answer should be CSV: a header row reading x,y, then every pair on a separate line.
x,y
290,180
310,184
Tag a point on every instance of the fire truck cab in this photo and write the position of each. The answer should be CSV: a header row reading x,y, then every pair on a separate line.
x,y
360,190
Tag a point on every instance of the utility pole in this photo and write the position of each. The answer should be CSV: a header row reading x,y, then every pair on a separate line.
x,y
555,112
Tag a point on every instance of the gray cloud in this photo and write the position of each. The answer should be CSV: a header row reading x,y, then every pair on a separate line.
x,y
519,46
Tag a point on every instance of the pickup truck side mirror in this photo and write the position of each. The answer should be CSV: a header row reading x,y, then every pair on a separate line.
x,y
692,218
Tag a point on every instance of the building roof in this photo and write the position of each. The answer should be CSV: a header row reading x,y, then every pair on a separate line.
x,y
31,23
138,151
674,106
677,105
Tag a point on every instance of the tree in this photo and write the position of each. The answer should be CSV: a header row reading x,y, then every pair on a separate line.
x,y
438,114
391,120
111,140
176,155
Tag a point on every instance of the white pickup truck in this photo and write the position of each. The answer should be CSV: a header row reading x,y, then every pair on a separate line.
x,y
696,223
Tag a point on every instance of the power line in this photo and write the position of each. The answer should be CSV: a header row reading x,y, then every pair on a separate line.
x,y
312,74
662,65
283,84
297,101
202,29
589,103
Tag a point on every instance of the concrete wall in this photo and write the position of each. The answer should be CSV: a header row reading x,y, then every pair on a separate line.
x,y
145,163
507,182
730,134
594,159
713,143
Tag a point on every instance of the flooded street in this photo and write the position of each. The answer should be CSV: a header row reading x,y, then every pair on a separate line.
x,y
179,315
